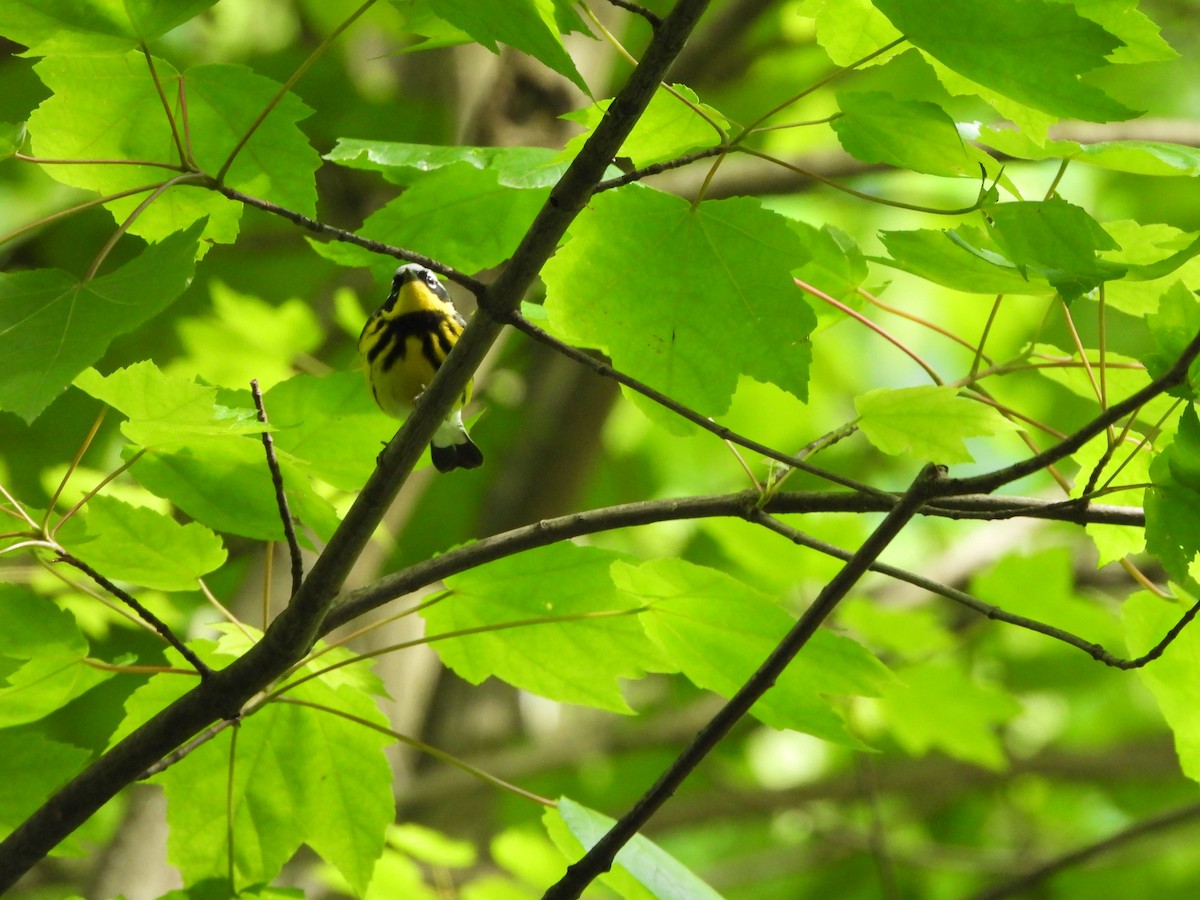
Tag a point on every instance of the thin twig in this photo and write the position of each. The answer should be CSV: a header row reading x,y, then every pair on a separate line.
x,y
285,514
1031,880
349,237
129,600
607,371
162,96
73,465
990,481
658,168
133,217
288,85
650,17
1095,651
873,326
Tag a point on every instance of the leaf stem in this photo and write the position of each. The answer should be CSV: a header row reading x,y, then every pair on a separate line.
x,y
317,53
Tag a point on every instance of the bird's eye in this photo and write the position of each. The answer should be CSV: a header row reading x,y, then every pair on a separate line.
x,y
430,278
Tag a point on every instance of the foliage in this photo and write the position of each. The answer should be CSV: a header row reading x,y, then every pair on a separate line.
x,y
841,241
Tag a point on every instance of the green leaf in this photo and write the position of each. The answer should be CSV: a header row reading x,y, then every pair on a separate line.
x,y
92,26
1173,678
1033,51
684,298
526,25
1141,37
910,134
835,264
1173,327
11,138
848,30
430,846
160,691
1056,239
34,767
517,167
277,163
574,661
1130,465
718,631
1173,503
667,129
53,326
330,424
1041,586
300,775
45,652
165,410
108,108
141,546
935,705
1136,157
961,261
662,875
246,338
200,475
927,422
460,215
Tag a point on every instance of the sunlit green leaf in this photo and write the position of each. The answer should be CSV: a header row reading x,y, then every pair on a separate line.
x,y
662,875
848,30
334,796
718,631
1175,325
246,338
141,546
109,108
670,127
934,705
92,26
517,167
164,410
961,262
199,475
1033,51
927,422
878,128
460,215
526,25
53,326
684,297
586,636
1173,503
1174,678
44,652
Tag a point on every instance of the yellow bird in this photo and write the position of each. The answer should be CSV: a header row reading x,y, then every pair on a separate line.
x,y
403,343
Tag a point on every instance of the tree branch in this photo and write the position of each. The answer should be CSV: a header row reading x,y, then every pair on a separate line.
x,y
743,505
294,631
599,858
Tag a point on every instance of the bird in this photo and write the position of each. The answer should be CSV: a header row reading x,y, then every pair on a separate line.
x,y
403,343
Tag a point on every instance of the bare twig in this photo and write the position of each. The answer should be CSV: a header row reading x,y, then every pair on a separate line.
x,y
285,513
129,600
1036,877
650,17
349,237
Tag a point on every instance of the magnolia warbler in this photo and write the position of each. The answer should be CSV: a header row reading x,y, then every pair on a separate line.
x,y
403,344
